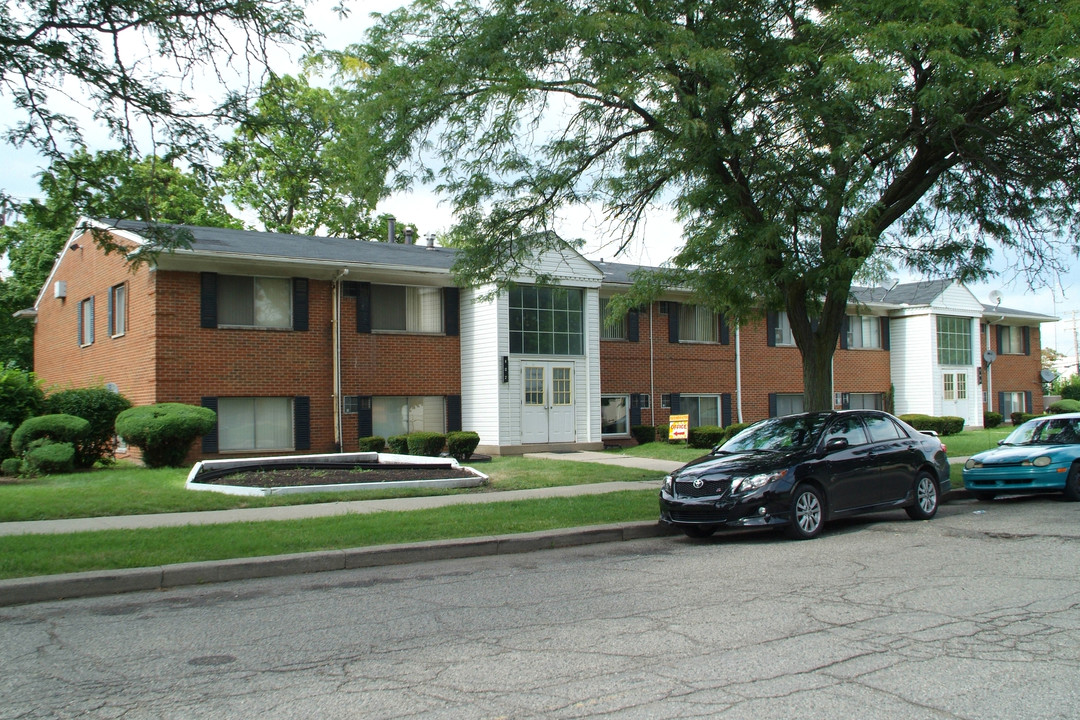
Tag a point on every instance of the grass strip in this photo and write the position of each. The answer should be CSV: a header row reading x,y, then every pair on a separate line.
x,y
34,555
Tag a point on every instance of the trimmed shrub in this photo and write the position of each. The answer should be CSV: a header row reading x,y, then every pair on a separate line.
x,y
704,436
992,419
11,466
57,428
5,440
461,443
20,396
945,425
164,432
1019,418
45,457
429,444
1071,391
1064,406
398,444
734,429
99,407
662,432
372,443
643,433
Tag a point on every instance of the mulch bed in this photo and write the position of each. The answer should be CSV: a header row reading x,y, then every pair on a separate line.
x,y
332,476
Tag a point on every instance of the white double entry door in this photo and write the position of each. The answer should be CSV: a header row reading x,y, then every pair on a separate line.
x,y
547,402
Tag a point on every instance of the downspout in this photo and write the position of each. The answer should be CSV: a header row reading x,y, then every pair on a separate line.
x,y
990,369
738,375
652,383
336,341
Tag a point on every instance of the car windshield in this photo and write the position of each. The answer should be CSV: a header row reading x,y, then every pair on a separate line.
x,y
1046,431
783,433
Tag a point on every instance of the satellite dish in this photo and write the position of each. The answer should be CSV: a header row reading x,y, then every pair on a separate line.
x,y
989,356
1047,375
995,297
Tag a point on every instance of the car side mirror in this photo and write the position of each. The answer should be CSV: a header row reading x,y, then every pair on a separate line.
x,y
836,444
1001,442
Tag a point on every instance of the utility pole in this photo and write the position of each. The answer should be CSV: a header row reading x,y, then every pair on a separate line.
x,y
1076,344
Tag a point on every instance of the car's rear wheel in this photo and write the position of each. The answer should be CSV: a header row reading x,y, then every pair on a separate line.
x,y
807,513
926,498
1072,484
699,531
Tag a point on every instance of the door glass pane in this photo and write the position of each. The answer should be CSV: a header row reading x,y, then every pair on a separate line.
x,y
534,386
961,386
560,386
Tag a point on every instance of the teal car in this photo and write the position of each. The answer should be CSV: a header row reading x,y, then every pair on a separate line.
x,y
1042,455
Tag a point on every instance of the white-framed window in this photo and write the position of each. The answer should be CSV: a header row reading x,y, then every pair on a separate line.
x,y
615,414
614,329
866,401
261,423
698,324
702,409
118,310
86,322
782,332
789,404
406,308
1012,340
864,332
646,401
246,301
546,320
1012,402
350,404
954,340
954,386
401,415
665,401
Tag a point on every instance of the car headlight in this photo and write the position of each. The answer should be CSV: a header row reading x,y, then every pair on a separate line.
x,y
668,484
753,482
1041,461
972,463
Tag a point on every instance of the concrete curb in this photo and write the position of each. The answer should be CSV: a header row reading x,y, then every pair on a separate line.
x,y
20,591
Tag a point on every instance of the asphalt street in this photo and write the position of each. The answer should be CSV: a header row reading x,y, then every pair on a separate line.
x,y
975,615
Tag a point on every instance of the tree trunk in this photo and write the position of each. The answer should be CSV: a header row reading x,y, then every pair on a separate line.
x,y
817,339
817,374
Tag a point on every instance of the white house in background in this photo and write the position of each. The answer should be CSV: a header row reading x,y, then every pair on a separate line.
x,y
530,370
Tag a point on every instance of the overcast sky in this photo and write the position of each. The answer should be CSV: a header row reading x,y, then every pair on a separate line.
x,y
660,237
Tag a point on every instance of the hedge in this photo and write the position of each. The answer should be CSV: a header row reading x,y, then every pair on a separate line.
x,y
99,407
734,429
461,444
1064,406
398,444
20,396
992,419
944,425
58,428
429,444
643,433
1019,418
164,432
11,466
704,436
372,443
5,440
45,457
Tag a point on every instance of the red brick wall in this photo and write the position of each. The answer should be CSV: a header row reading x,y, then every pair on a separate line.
x,y
1016,373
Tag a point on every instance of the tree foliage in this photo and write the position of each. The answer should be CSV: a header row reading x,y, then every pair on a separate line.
x,y
282,163
797,140
103,185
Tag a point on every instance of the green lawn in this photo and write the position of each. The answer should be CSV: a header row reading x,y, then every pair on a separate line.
x,y
130,490
970,442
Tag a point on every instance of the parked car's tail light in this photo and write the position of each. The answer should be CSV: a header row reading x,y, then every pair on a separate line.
x,y
972,463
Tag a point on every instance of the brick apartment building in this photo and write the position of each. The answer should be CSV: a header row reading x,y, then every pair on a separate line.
x,y
306,344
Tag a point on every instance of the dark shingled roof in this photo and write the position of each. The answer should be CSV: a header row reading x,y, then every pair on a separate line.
x,y
221,241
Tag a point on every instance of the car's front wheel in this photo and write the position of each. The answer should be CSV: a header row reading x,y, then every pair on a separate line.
x,y
807,513
926,498
1072,484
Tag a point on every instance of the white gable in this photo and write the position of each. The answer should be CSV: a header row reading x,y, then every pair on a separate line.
x,y
566,266
957,300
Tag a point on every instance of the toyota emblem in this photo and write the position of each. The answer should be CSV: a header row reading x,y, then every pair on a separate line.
x,y
698,482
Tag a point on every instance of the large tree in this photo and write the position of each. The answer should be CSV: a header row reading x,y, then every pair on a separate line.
x,y
103,185
796,139
282,162
136,66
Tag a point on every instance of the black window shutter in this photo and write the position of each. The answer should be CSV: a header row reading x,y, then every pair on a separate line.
x,y
725,331
635,409
109,305
845,328
208,301
1028,408
673,322
676,404
632,322
363,307
451,311
1027,340
300,304
1000,332
885,342
302,422
772,404
771,321
348,288
725,409
210,439
364,426
79,312
453,413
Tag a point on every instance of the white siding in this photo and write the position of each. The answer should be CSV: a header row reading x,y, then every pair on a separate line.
x,y
482,388
913,359
957,300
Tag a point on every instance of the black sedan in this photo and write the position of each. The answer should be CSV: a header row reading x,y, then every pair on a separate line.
x,y
798,471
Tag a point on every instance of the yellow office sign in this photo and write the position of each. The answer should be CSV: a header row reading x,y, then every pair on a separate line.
x,y
679,425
